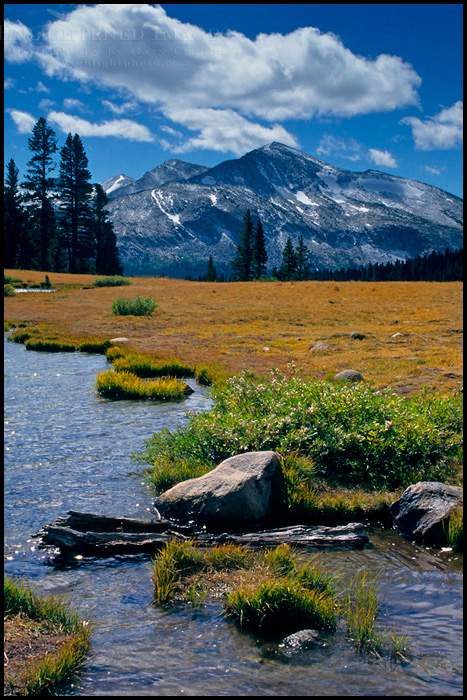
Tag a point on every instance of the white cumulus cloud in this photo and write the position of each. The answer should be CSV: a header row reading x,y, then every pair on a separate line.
x,y
23,120
119,128
383,158
18,42
187,72
441,132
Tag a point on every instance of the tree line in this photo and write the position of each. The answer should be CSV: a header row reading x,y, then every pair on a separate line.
x,y
57,223
447,266
250,263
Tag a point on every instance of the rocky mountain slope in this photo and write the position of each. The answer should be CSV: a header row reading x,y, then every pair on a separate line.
x,y
177,215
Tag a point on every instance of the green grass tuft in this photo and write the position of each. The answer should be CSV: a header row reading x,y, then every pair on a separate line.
x,y
139,306
111,281
49,345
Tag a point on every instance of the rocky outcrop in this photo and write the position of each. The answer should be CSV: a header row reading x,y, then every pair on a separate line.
x,y
423,511
243,491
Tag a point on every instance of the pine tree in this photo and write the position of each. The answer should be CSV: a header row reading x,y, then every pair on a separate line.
x,y
303,256
242,263
75,191
288,268
259,254
17,247
39,183
107,255
211,274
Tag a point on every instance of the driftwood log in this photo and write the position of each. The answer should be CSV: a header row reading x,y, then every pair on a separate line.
x,y
92,535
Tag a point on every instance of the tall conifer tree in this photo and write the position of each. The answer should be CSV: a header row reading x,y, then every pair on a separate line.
x,y
259,254
17,248
303,256
242,263
39,183
288,268
75,191
107,256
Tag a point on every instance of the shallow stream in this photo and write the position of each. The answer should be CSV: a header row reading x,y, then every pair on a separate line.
x,y
66,448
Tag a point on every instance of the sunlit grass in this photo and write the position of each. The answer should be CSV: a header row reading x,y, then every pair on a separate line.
x,y
125,385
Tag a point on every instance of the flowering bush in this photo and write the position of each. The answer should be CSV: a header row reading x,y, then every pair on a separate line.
x,y
354,434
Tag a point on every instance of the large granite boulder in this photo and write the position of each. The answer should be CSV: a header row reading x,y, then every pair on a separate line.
x,y
243,491
423,511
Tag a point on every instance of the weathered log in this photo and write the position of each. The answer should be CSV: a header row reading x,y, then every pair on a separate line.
x,y
103,536
351,535
84,522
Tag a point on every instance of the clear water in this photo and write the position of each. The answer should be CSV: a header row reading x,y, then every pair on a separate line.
x,y
66,448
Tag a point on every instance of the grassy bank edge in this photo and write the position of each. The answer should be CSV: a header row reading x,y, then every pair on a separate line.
x,y
55,617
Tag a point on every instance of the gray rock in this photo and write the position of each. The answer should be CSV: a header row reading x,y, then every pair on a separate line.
x,y
319,347
357,336
423,510
244,490
301,641
349,375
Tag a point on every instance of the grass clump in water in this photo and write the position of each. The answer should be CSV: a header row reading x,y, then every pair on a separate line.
x,y
125,385
270,594
139,306
180,561
45,629
278,608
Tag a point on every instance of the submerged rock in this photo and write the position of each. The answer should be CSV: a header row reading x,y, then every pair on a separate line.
x,y
423,511
244,490
301,641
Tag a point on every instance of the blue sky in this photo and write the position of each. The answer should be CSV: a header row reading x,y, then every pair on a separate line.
x,y
359,86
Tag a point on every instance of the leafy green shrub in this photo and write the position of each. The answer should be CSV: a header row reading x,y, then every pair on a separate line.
x,y
8,290
111,281
11,280
352,434
139,306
